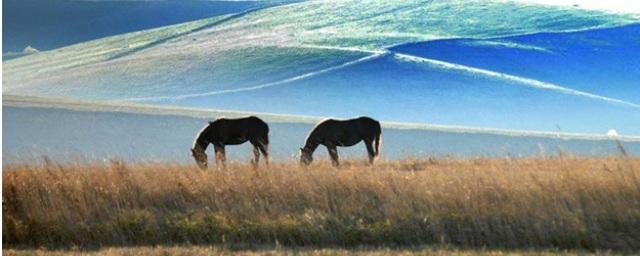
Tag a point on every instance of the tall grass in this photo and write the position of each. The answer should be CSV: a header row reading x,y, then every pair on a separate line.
x,y
561,202
301,251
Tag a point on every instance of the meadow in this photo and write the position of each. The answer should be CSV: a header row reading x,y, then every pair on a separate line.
x,y
534,203
373,251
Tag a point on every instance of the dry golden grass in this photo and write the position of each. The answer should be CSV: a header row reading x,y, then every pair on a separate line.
x,y
541,203
208,250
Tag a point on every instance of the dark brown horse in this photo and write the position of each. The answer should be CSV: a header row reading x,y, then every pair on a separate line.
x,y
342,133
225,131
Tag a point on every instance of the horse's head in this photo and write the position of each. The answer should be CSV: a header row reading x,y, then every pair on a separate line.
x,y
200,156
305,156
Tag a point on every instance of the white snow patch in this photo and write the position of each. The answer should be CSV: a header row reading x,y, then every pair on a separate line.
x,y
30,50
508,44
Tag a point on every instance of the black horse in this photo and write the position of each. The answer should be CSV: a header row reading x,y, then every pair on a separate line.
x,y
344,133
225,131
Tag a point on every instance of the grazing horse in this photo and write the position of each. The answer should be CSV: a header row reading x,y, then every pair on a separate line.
x,y
225,131
344,133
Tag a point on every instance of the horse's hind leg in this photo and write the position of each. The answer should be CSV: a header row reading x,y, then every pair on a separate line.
x,y
370,151
264,148
333,152
260,146
256,156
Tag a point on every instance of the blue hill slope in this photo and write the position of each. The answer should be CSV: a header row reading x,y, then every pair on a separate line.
x,y
352,58
63,22
601,61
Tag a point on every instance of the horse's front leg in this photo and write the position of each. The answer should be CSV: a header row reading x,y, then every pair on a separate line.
x,y
333,152
221,158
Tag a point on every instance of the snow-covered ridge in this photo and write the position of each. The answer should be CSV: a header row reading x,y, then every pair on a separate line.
x,y
126,107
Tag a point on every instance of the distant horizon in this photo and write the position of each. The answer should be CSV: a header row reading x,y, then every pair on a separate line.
x,y
204,113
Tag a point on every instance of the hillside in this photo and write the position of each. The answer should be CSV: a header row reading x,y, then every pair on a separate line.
x,y
326,58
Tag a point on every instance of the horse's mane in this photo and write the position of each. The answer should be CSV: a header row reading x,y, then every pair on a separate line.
x,y
195,140
316,126
217,119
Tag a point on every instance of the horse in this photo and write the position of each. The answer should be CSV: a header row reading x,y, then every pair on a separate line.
x,y
344,133
225,131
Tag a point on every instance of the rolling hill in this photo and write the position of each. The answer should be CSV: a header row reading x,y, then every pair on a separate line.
x,y
493,64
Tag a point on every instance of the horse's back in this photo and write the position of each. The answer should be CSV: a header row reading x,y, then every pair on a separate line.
x,y
368,121
242,121
247,126
369,125
255,121
362,121
365,126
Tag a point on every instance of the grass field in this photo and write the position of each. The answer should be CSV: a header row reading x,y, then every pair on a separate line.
x,y
523,204
212,250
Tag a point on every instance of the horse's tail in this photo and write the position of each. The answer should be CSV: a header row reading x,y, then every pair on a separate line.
x,y
376,144
264,141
